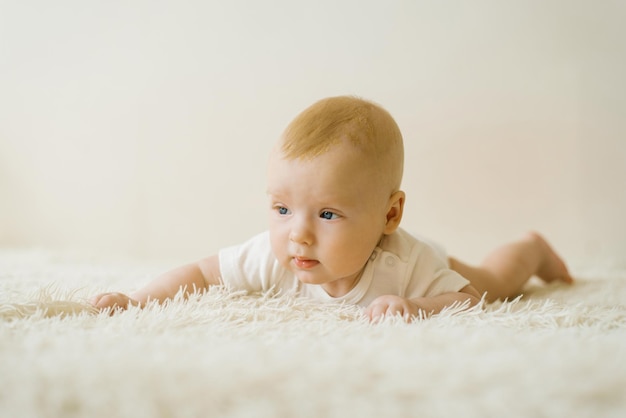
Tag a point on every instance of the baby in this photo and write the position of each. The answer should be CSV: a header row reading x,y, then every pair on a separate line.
x,y
335,209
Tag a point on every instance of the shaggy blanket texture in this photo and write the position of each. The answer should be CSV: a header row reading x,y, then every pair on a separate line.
x,y
558,351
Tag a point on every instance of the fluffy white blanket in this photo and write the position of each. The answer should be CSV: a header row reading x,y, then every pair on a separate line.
x,y
559,351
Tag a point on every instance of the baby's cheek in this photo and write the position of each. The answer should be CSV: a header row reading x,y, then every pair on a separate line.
x,y
281,258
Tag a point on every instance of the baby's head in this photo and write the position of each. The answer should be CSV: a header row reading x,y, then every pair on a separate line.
x,y
367,127
334,185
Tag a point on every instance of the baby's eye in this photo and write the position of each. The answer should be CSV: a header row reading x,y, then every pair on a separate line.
x,y
282,210
328,215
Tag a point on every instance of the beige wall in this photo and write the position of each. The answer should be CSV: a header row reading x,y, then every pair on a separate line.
x,y
141,128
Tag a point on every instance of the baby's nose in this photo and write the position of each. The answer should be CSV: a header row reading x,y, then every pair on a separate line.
x,y
301,233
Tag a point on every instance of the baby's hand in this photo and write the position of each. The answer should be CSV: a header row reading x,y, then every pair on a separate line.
x,y
113,301
390,305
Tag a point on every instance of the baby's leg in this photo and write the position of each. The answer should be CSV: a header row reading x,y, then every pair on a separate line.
x,y
504,272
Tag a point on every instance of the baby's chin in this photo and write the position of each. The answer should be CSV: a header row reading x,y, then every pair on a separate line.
x,y
310,277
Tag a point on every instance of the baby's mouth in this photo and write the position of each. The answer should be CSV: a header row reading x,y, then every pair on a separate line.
x,y
304,263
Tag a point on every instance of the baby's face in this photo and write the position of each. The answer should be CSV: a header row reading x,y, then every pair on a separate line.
x,y
326,217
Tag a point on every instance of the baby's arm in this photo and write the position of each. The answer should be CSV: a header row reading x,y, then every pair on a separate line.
x,y
396,305
194,276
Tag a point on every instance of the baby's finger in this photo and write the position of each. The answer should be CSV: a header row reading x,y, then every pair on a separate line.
x,y
399,310
110,300
393,310
97,300
377,312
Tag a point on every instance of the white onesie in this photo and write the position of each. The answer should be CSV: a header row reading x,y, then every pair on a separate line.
x,y
401,265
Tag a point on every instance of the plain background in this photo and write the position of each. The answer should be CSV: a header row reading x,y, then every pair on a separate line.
x,y
141,128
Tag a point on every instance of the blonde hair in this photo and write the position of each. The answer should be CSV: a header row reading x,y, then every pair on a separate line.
x,y
366,125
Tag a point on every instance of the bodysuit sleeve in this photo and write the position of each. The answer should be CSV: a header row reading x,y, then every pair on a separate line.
x,y
431,275
251,266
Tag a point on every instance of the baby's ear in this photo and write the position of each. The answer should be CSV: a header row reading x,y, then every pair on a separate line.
x,y
395,208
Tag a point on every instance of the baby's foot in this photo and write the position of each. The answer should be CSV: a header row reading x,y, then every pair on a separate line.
x,y
552,267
